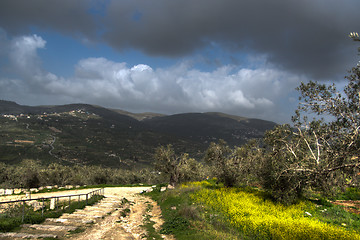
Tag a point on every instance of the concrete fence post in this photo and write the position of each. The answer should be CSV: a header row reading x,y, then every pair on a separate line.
x,y
42,207
23,212
69,202
52,203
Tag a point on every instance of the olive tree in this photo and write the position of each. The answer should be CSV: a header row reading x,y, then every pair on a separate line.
x,y
322,153
180,168
236,166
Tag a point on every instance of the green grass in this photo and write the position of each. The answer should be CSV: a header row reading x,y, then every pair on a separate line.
x,y
149,226
351,193
204,210
185,220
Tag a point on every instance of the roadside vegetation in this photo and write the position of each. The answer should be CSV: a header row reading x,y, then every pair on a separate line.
x,y
32,174
15,215
207,210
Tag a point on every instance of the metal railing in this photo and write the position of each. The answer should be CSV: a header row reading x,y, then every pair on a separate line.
x,y
56,201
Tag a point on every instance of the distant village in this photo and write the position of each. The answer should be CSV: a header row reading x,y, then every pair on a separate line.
x,y
74,113
43,116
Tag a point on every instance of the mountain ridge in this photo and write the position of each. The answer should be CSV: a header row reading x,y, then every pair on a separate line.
x,y
94,135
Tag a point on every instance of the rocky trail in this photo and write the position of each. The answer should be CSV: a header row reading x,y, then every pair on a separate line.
x,y
120,215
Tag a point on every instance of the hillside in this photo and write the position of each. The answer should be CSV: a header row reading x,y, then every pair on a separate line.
x,y
93,135
207,127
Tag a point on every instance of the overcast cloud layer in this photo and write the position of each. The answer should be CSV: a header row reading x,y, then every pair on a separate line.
x,y
296,41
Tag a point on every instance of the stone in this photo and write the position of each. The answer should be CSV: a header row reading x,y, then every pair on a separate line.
x,y
26,235
52,203
9,191
17,191
50,227
170,187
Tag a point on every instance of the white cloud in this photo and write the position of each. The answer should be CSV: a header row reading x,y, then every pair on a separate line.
x,y
24,53
179,88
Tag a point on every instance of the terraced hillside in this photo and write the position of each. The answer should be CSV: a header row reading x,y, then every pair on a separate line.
x,y
87,134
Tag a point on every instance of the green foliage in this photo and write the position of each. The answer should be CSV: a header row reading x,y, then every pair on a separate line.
x,y
320,155
236,166
31,173
178,168
151,233
224,165
202,210
351,193
172,203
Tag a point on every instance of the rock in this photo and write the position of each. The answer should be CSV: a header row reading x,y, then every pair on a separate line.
x,y
26,235
52,203
17,190
170,187
51,227
162,189
9,191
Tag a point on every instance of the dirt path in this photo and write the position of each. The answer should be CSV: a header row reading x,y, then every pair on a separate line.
x,y
120,215
349,205
127,220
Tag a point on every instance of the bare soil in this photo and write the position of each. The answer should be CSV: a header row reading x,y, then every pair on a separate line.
x,y
349,205
123,222
118,226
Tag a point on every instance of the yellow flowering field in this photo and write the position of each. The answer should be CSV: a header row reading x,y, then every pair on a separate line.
x,y
263,219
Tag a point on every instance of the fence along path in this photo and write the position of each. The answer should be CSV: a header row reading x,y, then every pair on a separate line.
x,y
57,227
103,220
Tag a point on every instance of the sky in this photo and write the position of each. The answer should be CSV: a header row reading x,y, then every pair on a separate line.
x,y
241,57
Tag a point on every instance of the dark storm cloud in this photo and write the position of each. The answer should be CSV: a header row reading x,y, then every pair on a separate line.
x,y
305,37
67,16
302,36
